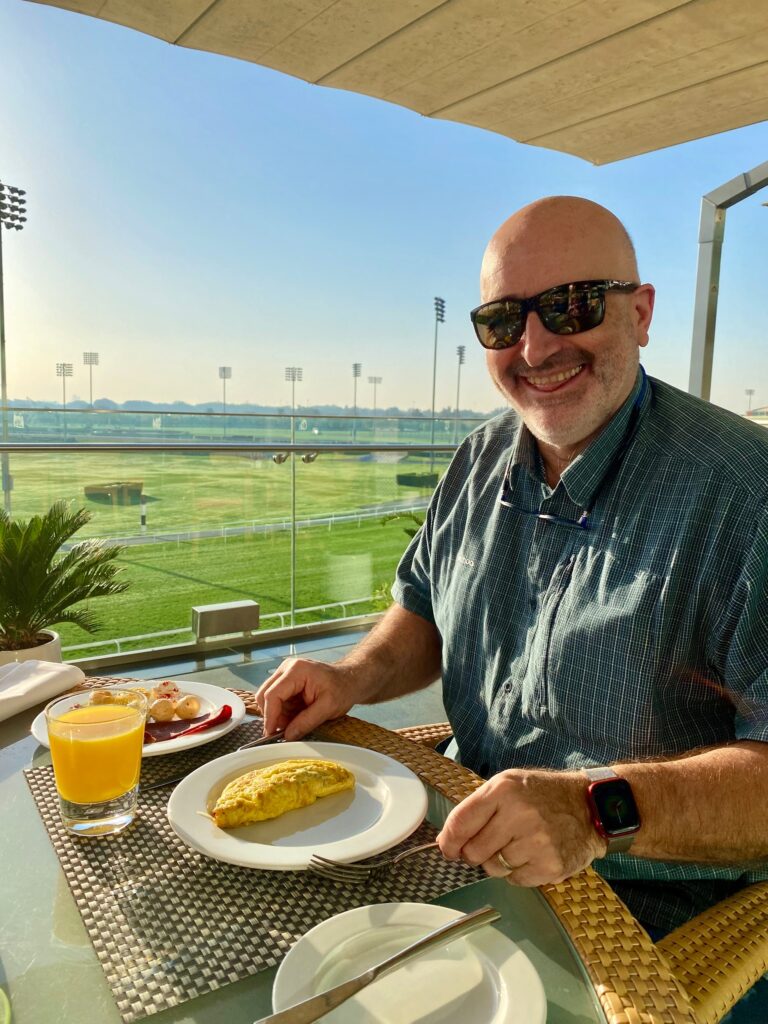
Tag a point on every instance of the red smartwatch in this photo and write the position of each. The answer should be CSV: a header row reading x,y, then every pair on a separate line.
x,y
612,808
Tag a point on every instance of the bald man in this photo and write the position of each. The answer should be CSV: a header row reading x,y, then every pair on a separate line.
x,y
591,584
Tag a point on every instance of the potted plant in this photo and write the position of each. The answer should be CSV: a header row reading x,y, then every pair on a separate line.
x,y
40,583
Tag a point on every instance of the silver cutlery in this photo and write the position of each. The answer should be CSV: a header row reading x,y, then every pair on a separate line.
x,y
313,1009
275,737
358,874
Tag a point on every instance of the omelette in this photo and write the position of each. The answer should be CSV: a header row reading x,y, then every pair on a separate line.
x,y
269,792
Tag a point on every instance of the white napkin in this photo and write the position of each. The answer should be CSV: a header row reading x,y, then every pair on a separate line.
x,y
25,683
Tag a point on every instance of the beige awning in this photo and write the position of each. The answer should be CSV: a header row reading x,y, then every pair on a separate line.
x,y
601,79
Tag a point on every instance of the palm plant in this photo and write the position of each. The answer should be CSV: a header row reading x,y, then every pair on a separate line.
x,y
39,583
391,517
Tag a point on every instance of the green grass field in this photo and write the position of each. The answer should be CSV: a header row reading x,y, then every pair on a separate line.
x,y
192,492
341,562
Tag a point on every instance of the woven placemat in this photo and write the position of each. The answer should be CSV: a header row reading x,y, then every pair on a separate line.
x,y
169,924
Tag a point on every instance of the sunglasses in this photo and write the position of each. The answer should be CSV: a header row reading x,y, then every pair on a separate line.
x,y
565,309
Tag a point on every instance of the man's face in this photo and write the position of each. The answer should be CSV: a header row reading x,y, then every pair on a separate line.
x,y
567,387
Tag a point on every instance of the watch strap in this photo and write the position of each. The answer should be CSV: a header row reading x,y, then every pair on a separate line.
x,y
597,774
619,844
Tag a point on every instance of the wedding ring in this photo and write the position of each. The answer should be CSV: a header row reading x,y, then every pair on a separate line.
x,y
504,862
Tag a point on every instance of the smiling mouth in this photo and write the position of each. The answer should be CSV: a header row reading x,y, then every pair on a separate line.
x,y
551,381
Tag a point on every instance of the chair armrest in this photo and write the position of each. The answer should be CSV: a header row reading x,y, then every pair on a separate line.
x,y
429,735
721,953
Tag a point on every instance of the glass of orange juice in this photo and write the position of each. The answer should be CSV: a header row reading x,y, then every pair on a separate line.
x,y
96,752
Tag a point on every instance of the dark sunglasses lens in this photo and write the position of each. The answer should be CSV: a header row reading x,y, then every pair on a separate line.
x,y
499,325
572,310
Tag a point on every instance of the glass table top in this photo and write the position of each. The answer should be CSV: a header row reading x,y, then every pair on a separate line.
x,y
50,970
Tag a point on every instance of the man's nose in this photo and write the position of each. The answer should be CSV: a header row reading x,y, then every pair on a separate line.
x,y
537,343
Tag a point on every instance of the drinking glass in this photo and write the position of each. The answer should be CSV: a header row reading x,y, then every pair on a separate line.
x,y
96,751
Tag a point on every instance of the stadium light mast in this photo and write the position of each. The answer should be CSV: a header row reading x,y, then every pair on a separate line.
x,y
90,359
292,374
375,381
460,352
225,374
357,369
439,319
64,370
749,392
12,216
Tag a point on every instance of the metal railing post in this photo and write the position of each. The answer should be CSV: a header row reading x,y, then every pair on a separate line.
x,y
711,233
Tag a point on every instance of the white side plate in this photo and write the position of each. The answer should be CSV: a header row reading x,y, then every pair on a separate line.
x,y
482,977
387,803
211,699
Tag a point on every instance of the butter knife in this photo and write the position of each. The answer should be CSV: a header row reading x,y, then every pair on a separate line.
x,y
317,1006
262,741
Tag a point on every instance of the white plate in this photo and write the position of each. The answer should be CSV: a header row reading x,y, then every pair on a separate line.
x,y
387,803
484,978
211,699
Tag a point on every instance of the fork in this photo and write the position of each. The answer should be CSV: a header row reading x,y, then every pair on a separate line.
x,y
359,874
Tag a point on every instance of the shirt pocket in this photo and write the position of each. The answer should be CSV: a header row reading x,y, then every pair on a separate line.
x,y
603,655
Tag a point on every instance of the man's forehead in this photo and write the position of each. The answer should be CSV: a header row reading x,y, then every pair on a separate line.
x,y
509,272
519,267
552,241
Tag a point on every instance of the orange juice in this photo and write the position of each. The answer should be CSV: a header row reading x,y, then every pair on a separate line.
x,y
96,751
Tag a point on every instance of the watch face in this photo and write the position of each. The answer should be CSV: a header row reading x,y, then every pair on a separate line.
x,y
615,806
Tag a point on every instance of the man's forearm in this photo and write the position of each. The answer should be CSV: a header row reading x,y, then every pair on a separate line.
x,y
711,806
400,655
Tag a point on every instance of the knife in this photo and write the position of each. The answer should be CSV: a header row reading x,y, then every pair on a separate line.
x,y
262,741
317,1006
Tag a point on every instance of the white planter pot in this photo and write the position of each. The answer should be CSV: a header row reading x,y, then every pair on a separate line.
x,y
50,651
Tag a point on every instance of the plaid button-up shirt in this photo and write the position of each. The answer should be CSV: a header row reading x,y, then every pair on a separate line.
x,y
642,636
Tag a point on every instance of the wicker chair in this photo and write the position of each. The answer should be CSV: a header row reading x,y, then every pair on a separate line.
x,y
713,960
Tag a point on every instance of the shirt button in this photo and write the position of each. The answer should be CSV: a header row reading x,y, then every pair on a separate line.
x,y
507,687
543,709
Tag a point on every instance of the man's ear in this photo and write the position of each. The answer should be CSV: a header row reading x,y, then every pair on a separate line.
x,y
642,305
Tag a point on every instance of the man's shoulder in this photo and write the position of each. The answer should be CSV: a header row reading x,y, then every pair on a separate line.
x,y
707,437
482,451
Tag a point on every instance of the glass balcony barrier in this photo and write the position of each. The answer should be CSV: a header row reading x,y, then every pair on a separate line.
x,y
311,530
81,424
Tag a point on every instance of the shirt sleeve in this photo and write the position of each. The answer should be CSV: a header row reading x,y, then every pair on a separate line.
x,y
745,632
412,588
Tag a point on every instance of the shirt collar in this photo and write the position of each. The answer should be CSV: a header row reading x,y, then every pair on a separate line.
x,y
584,476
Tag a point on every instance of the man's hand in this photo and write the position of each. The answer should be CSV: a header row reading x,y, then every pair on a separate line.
x,y
538,821
302,694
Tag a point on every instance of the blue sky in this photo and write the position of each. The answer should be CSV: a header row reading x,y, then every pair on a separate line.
x,y
187,211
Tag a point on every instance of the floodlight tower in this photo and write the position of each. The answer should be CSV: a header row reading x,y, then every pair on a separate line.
x,y
64,370
12,216
439,319
225,374
357,369
749,392
460,352
292,374
375,381
90,359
